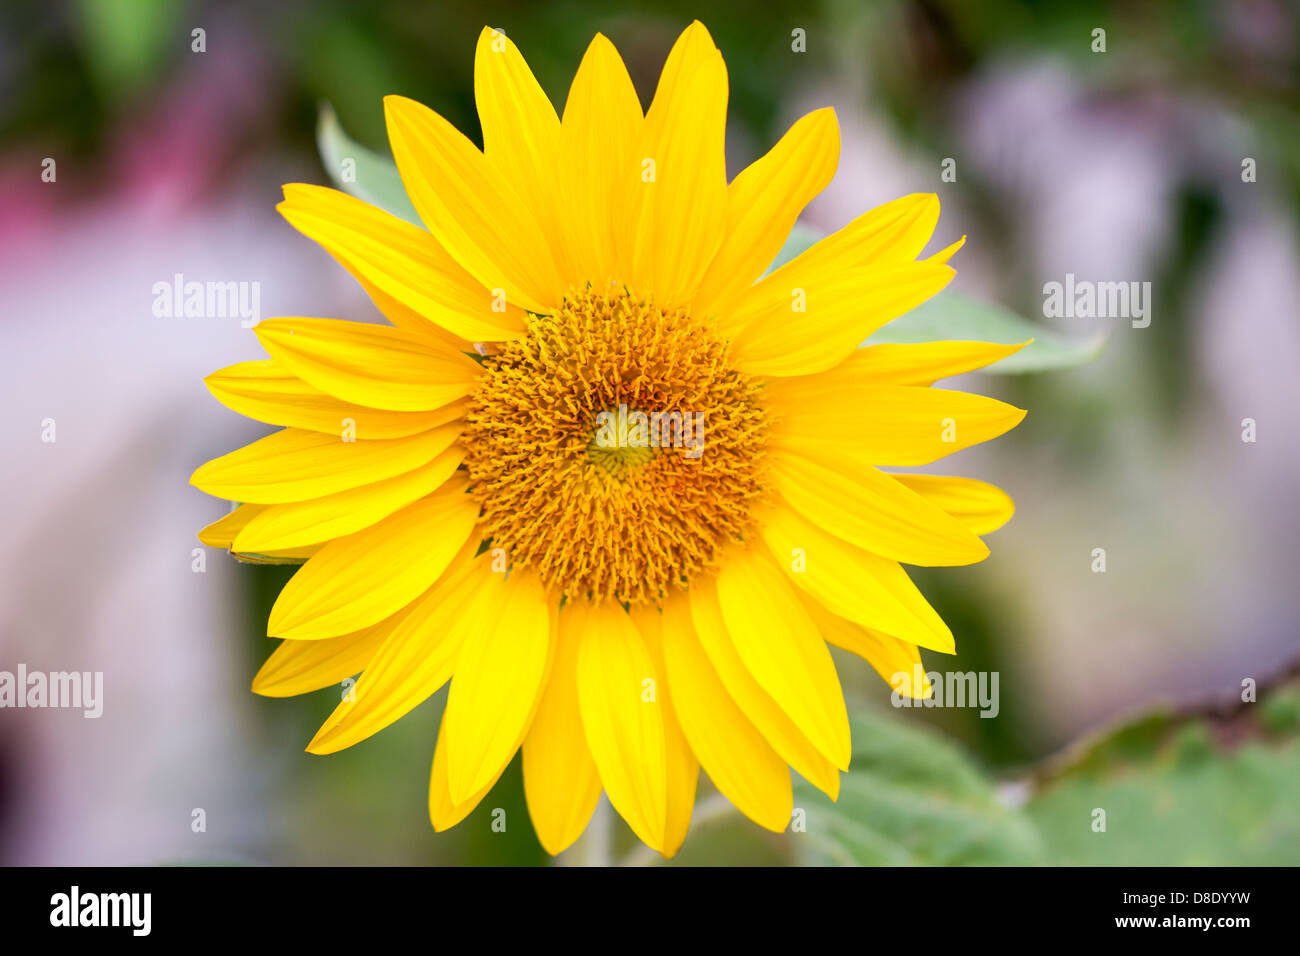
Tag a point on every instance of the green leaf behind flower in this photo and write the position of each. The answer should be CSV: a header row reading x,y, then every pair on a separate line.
x,y
911,798
1209,788
954,316
359,171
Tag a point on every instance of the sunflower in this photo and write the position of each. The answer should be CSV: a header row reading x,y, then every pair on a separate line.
x,y
600,473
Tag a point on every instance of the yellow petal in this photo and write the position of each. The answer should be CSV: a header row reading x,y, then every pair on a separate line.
x,y
979,506
602,119
266,392
221,533
863,587
402,262
356,581
294,464
827,421
416,658
693,48
683,769
947,252
470,207
299,523
368,364
922,364
763,203
521,133
739,761
675,213
763,712
807,318
500,673
297,667
780,646
874,511
624,729
561,783
442,812
890,234
890,656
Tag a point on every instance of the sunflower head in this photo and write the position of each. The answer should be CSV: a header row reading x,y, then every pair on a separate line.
x,y
601,471
614,450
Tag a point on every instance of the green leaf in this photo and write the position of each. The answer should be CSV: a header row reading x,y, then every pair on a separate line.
x,y
362,172
1199,789
952,315
1212,786
911,798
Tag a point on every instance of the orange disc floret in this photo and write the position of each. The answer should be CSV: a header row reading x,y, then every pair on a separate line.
x,y
613,448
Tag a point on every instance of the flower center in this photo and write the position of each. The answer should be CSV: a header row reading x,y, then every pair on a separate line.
x,y
613,449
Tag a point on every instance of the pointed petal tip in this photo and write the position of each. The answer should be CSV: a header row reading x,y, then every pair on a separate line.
x,y
827,120
555,846
288,211
290,190
266,686
699,27
696,31
444,816
841,762
276,626
395,104
323,742
314,745
461,790
601,45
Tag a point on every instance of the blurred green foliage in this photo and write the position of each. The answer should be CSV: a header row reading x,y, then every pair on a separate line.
x,y
912,798
1212,786
1199,789
126,41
